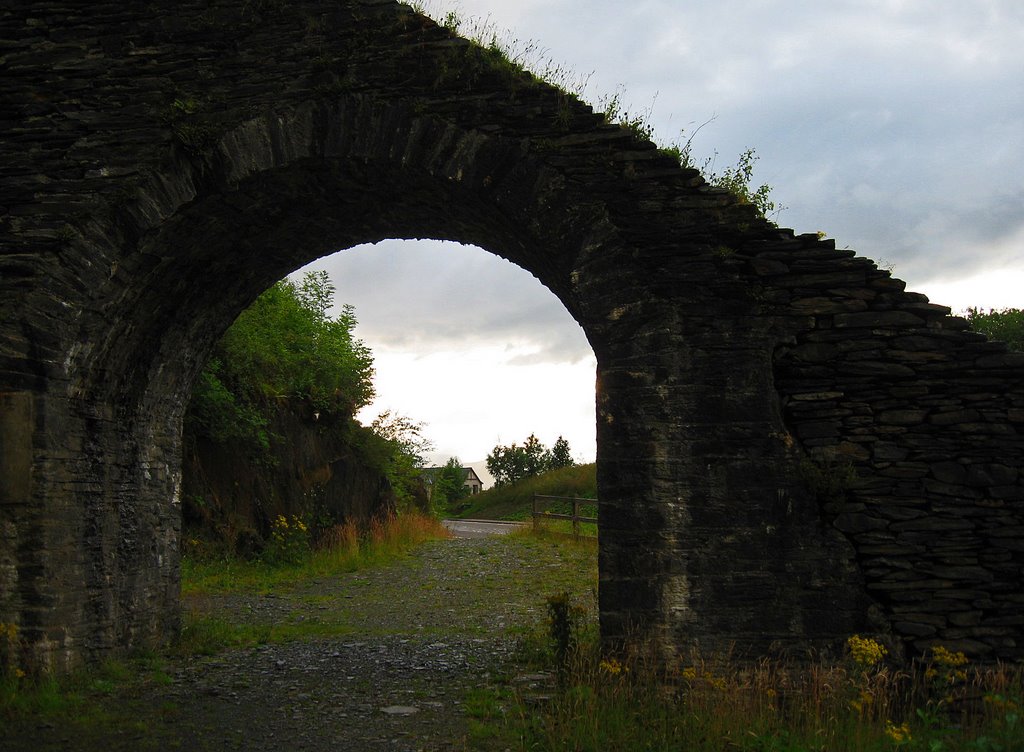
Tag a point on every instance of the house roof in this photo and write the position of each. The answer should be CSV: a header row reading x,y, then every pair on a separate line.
x,y
429,473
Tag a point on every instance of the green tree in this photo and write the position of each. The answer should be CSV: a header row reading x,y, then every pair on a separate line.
x,y
536,456
561,455
513,463
286,345
449,485
507,464
283,345
404,449
1006,325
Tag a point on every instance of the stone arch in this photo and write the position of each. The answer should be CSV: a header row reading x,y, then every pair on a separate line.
x,y
791,447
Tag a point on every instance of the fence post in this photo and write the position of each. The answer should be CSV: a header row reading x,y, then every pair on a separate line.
x,y
534,511
576,518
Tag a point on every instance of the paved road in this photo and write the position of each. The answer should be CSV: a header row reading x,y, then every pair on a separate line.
x,y
480,528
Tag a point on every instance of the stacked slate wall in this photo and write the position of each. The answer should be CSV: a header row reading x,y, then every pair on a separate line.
x,y
912,426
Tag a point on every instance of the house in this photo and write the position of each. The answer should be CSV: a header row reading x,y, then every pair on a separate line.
x,y
472,480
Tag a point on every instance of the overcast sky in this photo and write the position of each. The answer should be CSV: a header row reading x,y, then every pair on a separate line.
x,y
895,127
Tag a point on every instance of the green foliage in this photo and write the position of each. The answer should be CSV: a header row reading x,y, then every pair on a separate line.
x,y
402,447
343,548
527,62
283,345
829,479
737,180
561,455
564,620
288,542
184,117
637,123
511,464
449,486
222,416
1006,325
211,635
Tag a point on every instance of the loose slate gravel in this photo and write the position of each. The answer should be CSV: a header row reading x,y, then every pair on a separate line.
x,y
419,635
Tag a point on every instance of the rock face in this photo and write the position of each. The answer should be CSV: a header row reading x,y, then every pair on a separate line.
x,y
315,470
791,447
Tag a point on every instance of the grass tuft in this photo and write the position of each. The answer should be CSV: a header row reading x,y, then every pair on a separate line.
x,y
343,548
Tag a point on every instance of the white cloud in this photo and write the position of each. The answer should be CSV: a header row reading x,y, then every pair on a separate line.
x,y
472,400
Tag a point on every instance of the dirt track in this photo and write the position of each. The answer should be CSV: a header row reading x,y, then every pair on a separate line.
x,y
413,641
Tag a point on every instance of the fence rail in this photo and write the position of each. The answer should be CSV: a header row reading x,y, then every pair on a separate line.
x,y
575,517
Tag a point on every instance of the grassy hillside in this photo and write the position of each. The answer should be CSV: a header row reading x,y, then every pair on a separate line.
x,y
514,502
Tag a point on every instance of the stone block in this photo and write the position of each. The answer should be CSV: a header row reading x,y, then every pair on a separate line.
x,y
878,320
949,472
16,429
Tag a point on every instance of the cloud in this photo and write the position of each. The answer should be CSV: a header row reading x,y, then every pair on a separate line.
x,y
427,296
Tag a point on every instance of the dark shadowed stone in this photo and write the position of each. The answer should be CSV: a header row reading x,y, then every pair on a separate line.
x,y
902,417
758,391
949,472
880,319
991,475
915,629
852,523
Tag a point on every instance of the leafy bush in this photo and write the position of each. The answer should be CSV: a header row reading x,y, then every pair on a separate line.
x,y
288,543
1006,325
399,446
283,345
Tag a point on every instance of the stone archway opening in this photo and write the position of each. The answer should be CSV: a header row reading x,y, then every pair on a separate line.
x,y
469,344
466,349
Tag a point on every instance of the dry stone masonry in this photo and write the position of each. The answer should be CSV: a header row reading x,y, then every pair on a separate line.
x,y
792,447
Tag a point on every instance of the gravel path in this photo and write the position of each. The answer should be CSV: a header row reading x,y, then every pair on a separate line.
x,y
413,642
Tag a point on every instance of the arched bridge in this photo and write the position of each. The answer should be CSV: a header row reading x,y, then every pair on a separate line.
x,y
792,447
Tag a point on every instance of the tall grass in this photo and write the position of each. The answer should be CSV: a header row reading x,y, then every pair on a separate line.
x,y
342,548
345,548
941,704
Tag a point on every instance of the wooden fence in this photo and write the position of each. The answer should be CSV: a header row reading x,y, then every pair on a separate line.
x,y
575,517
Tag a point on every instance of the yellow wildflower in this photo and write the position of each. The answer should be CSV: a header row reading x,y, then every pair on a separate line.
x,y
943,656
865,651
898,734
715,682
613,667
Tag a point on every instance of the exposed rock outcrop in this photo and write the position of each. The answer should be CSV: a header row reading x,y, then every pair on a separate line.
x,y
317,469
